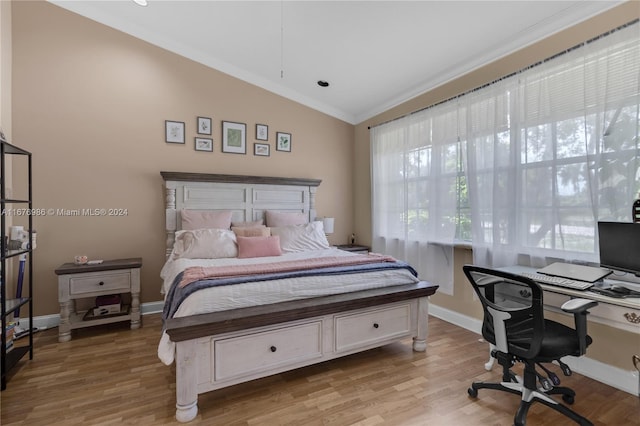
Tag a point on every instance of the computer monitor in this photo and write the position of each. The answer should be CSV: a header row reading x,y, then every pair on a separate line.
x,y
620,246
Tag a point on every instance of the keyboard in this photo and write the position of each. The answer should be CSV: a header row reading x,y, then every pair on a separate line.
x,y
558,281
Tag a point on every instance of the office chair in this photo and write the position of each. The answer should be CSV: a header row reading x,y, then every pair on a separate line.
x,y
514,324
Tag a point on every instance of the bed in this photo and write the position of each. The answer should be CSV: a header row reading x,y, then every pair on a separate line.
x,y
283,300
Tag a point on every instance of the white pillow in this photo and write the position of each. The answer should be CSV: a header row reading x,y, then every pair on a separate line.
x,y
205,244
306,237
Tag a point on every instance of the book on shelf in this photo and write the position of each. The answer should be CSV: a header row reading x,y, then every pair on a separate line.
x,y
89,315
107,304
9,333
10,329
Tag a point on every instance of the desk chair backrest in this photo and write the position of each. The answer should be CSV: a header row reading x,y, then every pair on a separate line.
x,y
513,310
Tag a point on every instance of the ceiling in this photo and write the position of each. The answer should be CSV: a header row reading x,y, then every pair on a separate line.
x,y
374,54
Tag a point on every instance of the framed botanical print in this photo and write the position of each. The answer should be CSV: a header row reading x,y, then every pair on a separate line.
x,y
261,149
234,137
262,132
174,131
204,126
283,141
203,144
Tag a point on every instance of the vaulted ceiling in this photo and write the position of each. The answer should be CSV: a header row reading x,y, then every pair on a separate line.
x,y
373,54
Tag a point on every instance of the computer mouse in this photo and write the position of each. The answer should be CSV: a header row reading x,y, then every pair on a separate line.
x,y
620,289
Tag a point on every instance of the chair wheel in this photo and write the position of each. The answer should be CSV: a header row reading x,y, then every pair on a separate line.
x,y
472,392
569,399
546,384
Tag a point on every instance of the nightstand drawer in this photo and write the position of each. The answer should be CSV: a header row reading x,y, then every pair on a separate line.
x,y
106,282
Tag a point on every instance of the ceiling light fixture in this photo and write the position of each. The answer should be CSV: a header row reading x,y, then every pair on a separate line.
x,y
323,83
141,2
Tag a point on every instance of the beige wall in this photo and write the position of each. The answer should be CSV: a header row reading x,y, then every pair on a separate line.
x,y
5,68
626,344
5,110
90,103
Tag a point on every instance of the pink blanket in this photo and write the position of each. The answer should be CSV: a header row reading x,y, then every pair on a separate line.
x,y
196,273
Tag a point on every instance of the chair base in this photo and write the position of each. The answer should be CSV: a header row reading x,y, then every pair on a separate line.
x,y
514,384
529,397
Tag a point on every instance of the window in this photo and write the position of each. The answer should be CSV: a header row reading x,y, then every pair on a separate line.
x,y
524,166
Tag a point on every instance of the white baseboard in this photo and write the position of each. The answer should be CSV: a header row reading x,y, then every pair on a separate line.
x,y
625,380
152,307
44,322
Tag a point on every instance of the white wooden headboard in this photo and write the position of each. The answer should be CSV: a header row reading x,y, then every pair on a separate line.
x,y
248,197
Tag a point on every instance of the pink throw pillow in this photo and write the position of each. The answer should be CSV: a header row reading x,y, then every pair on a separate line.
x,y
257,231
202,219
251,224
286,218
258,246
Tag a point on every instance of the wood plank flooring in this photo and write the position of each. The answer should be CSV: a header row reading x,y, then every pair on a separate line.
x,y
111,375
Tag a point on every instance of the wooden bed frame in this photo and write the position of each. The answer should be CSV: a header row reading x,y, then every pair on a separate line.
x,y
221,349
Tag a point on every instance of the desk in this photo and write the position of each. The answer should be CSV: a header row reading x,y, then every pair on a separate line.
x,y
619,313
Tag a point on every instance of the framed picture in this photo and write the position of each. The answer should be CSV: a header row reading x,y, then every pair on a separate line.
x,y
234,137
261,149
262,132
204,126
174,131
203,144
283,141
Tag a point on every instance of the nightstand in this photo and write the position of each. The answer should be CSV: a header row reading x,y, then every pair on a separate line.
x,y
354,248
83,283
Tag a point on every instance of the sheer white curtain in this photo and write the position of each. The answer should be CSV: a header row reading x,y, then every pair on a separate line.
x,y
530,164
553,150
415,170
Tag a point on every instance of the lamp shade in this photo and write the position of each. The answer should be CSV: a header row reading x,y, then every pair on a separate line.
x,y
327,223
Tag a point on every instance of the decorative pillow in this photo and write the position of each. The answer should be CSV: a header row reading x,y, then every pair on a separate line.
x,y
205,244
200,219
258,246
286,218
252,224
256,231
301,237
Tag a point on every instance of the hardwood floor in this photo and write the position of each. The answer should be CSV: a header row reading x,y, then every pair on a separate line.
x,y
111,375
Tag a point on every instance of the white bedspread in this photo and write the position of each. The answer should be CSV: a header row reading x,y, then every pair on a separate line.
x,y
226,297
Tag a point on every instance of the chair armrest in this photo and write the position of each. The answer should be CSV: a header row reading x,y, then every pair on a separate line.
x,y
575,306
578,307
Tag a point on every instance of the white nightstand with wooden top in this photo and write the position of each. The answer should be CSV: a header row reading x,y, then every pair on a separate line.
x,y
86,282
355,248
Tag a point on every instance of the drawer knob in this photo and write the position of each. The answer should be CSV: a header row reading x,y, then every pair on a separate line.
x,y
632,317
376,325
101,283
273,349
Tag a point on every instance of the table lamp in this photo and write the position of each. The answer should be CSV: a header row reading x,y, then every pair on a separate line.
x,y
327,224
